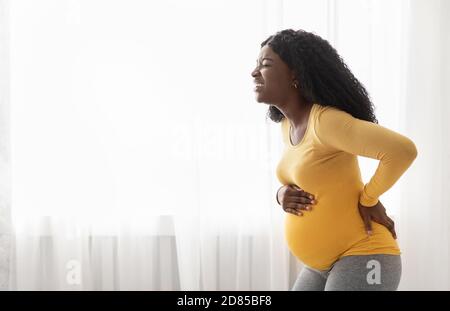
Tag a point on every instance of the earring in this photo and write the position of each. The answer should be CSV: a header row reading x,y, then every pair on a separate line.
x,y
294,84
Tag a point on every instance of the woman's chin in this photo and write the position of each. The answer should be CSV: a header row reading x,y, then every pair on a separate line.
x,y
259,98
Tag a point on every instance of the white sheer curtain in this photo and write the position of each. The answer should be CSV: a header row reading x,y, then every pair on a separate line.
x,y
425,216
5,159
140,159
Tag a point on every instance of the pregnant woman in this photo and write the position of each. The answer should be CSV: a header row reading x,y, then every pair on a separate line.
x,y
335,225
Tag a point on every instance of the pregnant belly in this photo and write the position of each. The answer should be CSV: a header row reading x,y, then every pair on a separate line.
x,y
318,237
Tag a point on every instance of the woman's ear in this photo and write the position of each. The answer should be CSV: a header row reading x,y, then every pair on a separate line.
x,y
294,81
294,77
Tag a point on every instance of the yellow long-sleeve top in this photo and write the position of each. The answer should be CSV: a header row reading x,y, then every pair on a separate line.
x,y
325,164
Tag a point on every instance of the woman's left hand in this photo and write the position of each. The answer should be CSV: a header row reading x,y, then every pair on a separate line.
x,y
376,213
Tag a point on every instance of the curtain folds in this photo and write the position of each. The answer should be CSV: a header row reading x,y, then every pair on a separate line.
x,y
5,155
424,220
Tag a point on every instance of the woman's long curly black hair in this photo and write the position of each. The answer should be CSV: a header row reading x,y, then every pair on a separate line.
x,y
323,76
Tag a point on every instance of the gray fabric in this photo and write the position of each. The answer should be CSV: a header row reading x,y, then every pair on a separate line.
x,y
380,272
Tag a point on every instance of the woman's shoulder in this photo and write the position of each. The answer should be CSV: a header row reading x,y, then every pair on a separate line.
x,y
328,120
330,114
324,109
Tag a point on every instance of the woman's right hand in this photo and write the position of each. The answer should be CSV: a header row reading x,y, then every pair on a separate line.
x,y
294,200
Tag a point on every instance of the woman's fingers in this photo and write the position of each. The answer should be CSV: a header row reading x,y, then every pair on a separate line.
x,y
391,226
390,219
301,200
297,206
300,192
368,224
296,209
394,234
298,200
293,211
389,222
297,188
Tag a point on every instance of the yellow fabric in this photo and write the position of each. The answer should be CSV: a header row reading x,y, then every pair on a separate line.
x,y
325,164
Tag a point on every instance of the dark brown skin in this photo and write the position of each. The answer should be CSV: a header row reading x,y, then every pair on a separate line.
x,y
377,213
279,89
294,200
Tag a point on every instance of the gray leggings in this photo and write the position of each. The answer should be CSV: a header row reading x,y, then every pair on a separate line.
x,y
353,273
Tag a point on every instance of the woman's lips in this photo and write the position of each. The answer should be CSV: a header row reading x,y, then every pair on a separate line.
x,y
258,87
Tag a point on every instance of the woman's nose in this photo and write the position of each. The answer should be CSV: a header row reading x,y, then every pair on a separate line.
x,y
255,72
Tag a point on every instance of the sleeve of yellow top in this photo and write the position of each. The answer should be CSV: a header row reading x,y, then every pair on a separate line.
x,y
340,130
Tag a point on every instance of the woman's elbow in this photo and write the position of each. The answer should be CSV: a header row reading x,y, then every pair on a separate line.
x,y
410,150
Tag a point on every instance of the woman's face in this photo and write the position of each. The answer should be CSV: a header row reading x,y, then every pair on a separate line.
x,y
272,77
